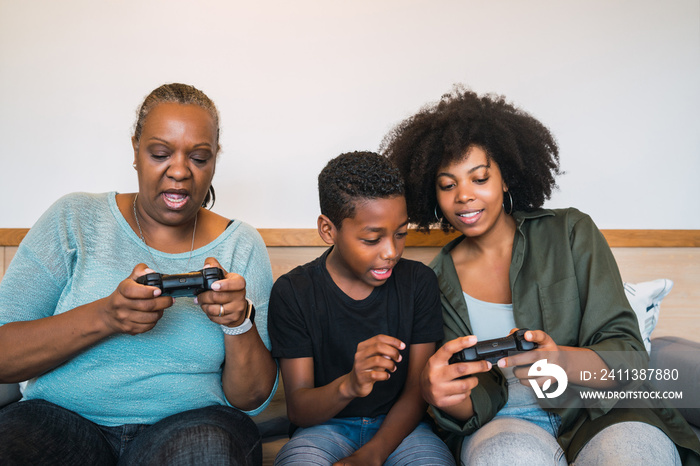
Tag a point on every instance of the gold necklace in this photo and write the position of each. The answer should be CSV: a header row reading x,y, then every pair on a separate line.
x,y
148,248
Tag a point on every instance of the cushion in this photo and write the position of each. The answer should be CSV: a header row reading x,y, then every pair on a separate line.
x,y
9,392
645,299
680,354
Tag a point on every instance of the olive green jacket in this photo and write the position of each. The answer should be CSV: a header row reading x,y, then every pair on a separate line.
x,y
565,281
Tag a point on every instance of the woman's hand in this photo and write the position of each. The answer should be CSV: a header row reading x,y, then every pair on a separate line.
x,y
225,303
573,360
134,308
546,349
445,385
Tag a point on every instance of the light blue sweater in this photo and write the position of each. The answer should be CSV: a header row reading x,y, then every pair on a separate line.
x,y
78,252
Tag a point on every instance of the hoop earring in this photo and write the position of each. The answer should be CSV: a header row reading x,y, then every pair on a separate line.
x,y
210,198
437,219
511,203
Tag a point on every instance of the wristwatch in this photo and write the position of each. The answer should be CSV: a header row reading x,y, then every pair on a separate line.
x,y
247,322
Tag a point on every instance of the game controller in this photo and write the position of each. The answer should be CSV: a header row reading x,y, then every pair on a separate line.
x,y
185,284
493,350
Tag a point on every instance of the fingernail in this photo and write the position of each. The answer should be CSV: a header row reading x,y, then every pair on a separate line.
x,y
157,292
489,365
215,286
501,363
195,300
150,271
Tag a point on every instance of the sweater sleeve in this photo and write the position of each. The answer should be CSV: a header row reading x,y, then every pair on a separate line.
x,y
41,268
251,261
257,272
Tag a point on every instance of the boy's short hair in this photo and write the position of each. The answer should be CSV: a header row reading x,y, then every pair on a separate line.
x,y
354,176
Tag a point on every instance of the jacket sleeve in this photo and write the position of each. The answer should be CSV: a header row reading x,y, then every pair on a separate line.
x,y
608,324
488,397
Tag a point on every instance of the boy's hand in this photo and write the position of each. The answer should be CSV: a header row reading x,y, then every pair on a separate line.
x,y
375,359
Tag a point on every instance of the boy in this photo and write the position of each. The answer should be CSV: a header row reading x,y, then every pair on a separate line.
x,y
354,328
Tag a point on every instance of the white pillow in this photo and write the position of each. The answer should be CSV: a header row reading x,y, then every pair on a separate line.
x,y
645,298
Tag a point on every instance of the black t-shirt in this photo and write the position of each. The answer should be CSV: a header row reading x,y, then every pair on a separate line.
x,y
310,316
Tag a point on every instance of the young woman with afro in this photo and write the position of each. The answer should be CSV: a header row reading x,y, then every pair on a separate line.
x,y
481,166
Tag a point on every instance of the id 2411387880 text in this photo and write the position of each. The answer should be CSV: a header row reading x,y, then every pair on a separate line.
x,y
631,375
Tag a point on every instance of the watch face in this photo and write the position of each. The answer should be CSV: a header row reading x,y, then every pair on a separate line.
x,y
250,311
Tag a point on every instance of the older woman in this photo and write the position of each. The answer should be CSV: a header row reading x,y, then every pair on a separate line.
x,y
116,370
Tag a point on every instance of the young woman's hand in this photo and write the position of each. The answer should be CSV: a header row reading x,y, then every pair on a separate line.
x,y
134,308
444,384
546,349
375,360
225,303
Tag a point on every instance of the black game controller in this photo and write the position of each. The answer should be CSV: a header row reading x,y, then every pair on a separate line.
x,y
493,350
185,284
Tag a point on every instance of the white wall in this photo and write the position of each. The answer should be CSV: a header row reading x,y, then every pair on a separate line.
x,y
298,82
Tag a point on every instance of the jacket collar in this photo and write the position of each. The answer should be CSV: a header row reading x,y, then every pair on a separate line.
x,y
521,216
445,270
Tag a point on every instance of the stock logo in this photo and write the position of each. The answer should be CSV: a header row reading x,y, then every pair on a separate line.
x,y
543,369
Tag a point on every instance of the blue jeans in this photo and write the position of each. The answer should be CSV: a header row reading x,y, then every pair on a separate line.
x,y
39,432
522,404
336,439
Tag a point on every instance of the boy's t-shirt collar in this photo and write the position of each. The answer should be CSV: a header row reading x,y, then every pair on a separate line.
x,y
359,304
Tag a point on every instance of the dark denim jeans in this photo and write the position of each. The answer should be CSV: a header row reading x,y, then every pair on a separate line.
x,y
41,433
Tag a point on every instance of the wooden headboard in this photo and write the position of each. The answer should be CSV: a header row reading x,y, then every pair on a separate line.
x,y
642,255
